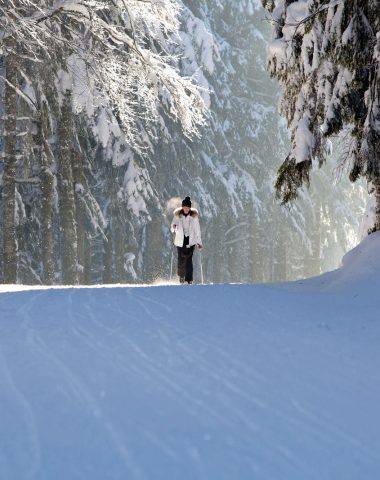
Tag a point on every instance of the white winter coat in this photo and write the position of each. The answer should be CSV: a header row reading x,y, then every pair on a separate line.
x,y
194,228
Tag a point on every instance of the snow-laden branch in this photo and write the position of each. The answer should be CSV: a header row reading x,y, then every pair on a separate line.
x,y
324,55
124,44
22,94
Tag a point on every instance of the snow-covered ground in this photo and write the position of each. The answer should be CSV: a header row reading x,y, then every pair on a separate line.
x,y
227,382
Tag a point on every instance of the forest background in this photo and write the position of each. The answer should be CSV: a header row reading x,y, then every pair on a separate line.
x,y
112,111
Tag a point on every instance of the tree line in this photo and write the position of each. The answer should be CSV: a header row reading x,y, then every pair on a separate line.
x,y
122,106
76,74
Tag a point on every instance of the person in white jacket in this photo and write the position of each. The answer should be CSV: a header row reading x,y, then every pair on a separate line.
x,y
187,231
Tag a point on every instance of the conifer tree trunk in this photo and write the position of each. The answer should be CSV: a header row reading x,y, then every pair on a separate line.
x,y
9,175
312,263
153,264
377,196
81,235
69,245
256,258
281,254
316,241
231,268
120,251
107,257
87,280
80,185
47,187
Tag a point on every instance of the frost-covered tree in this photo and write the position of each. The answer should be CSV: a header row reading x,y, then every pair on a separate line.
x,y
326,55
110,38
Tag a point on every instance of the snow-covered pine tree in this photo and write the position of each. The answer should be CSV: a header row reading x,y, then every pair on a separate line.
x,y
326,55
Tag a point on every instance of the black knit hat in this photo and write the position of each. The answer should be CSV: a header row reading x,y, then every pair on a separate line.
x,y
186,202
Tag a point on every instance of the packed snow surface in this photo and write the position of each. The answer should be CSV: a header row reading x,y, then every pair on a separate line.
x,y
218,382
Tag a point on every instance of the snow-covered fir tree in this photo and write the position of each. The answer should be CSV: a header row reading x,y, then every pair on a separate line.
x,y
326,56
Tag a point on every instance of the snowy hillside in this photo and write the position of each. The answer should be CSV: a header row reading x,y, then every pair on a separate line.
x,y
226,382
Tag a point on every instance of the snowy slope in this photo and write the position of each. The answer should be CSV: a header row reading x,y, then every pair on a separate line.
x,y
227,382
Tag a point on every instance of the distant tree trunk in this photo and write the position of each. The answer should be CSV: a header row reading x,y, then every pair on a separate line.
x,y
316,241
83,234
47,188
220,252
281,253
120,251
87,260
81,237
256,258
154,247
69,248
231,269
84,244
313,262
295,257
80,184
107,256
272,257
9,175
377,196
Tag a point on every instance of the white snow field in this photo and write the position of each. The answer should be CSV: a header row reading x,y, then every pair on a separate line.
x,y
218,382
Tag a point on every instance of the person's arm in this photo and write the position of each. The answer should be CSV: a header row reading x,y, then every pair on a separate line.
x,y
174,224
198,238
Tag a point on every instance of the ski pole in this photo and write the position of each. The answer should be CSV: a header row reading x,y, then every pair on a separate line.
x,y
200,256
171,266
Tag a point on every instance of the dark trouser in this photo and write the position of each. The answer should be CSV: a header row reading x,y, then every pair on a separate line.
x,y
185,261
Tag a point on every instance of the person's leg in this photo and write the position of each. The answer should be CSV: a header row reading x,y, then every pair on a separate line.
x,y
189,265
181,265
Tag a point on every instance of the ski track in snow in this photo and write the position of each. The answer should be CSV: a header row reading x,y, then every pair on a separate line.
x,y
208,383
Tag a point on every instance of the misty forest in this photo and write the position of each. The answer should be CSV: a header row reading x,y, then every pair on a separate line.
x,y
112,111
189,239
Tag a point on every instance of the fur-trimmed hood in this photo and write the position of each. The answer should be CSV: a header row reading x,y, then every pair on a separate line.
x,y
179,211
